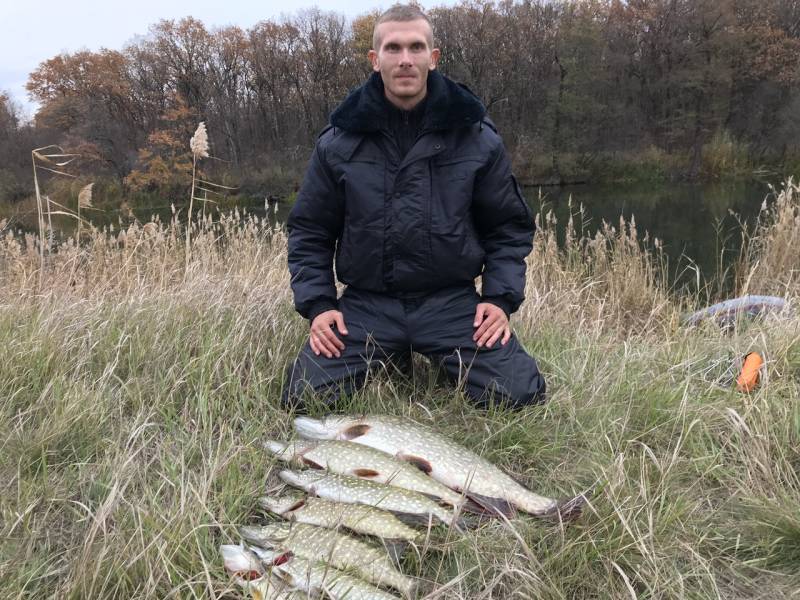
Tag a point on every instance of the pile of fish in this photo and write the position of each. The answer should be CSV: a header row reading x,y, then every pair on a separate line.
x,y
372,484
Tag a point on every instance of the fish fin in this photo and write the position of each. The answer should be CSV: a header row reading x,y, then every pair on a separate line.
x,y
412,520
312,464
419,462
355,431
473,507
568,509
365,473
459,524
494,506
395,548
299,504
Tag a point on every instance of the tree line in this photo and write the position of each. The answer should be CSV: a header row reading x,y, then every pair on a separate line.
x,y
572,85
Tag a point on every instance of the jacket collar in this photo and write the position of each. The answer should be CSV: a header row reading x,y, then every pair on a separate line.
x,y
449,105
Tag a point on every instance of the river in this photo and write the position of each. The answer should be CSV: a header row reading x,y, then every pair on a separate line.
x,y
699,224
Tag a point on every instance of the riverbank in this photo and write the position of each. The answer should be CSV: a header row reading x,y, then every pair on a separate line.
x,y
701,225
722,160
135,392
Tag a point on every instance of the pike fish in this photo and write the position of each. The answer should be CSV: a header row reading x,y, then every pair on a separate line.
x,y
317,578
440,457
351,490
248,571
324,513
333,547
358,460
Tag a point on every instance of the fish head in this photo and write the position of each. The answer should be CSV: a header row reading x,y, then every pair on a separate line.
x,y
271,557
301,479
280,505
280,578
332,427
289,451
265,535
242,564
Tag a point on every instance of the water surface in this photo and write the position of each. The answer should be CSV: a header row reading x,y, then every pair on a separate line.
x,y
698,224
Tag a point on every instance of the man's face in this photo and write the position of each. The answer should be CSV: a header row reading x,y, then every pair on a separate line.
x,y
403,60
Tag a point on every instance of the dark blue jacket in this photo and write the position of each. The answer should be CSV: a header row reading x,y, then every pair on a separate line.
x,y
446,213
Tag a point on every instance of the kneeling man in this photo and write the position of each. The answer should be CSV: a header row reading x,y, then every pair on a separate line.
x,y
410,191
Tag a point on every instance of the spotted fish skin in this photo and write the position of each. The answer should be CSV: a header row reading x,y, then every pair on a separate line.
x,y
351,490
333,547
324,513
316,578
365,462
446,461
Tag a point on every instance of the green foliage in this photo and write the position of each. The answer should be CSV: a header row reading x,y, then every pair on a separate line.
x,y
725,157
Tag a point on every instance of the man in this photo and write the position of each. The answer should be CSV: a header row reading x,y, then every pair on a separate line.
x,y
411,191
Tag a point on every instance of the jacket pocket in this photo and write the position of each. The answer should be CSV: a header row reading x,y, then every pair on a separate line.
x,y
521,198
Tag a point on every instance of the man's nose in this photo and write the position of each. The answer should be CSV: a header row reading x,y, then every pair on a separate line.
x,y
405,57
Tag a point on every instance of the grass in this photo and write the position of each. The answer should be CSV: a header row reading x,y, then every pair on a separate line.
x,y
134,392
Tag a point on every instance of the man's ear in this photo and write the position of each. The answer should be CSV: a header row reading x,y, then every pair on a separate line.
x,y
435,54
373,58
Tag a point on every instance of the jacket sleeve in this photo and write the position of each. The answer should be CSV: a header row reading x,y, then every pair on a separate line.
x,y
314,225
505,227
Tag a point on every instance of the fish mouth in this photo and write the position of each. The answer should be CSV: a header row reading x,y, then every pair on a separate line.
x,y
313,429
267,556
255,535
240,562
291,478
276,448
280,505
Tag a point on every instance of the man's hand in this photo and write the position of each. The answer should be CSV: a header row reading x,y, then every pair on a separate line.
x,y
322,338
492,323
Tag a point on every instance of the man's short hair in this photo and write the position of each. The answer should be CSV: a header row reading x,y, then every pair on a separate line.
x,y
402,13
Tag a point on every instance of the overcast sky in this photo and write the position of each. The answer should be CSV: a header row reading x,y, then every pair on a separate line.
x,y
34,30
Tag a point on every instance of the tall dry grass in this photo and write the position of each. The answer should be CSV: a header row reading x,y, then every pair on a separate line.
x,y
771,259
134,392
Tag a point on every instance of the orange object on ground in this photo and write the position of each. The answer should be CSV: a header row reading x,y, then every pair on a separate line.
x,y
750,373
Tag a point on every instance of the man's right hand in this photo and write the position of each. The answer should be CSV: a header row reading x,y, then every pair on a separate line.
x,y
322,337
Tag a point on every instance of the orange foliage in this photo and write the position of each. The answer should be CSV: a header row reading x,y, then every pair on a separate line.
x,y
166,161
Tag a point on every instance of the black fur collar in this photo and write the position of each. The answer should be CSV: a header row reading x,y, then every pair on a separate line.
x,y
450,105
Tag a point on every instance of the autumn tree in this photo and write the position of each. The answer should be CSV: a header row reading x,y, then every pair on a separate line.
x,y
565,81
165,162
86,97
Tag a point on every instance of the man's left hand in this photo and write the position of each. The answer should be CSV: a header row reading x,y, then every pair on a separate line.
x,y
492,323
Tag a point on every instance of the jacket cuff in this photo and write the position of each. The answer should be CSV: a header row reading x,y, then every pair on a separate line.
x,y
499,301
320,306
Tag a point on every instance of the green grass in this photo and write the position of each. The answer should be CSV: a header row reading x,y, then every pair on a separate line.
x,y
134,395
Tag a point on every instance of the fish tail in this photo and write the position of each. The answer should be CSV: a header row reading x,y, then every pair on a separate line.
x,y
534,504
451,518
568,509
488,505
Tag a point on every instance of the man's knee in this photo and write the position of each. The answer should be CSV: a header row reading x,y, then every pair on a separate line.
x,y
514,396
535,392
306,383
